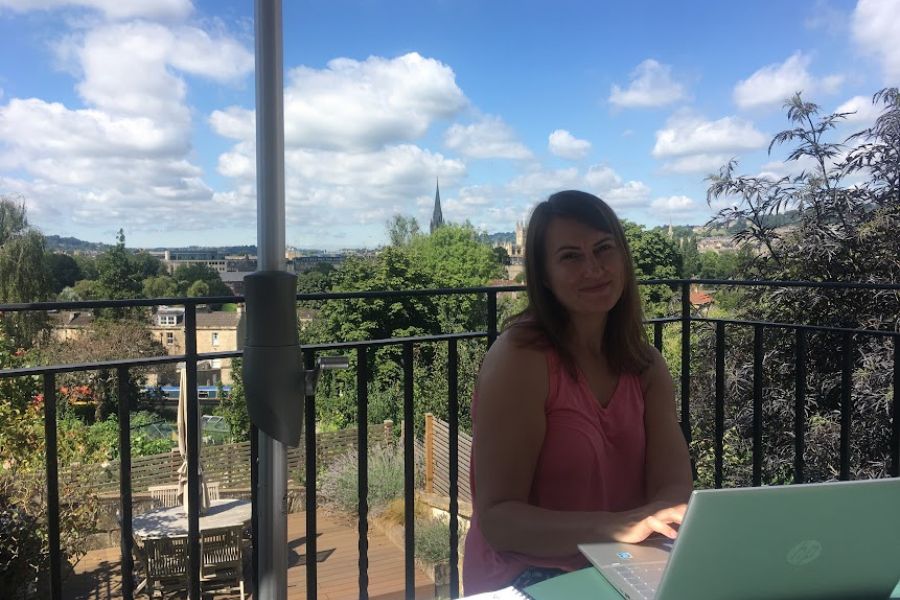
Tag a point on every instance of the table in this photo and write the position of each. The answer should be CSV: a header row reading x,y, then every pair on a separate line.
x,y
172,520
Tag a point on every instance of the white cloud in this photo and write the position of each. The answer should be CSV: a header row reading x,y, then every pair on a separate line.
x,y
864,111
363,105
651,85
697,163
698,141
773,84
606,183
876,29
565,145
124,159
491,137
111,9
674,204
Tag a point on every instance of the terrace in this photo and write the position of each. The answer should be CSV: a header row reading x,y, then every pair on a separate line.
x,y
363,562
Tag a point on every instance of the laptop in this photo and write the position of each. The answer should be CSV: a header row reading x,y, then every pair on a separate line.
x,y
828,540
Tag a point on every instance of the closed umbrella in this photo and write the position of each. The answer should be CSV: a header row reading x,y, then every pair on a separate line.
x,y
183,449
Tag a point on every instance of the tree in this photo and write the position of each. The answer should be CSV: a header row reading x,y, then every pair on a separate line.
x,y
107,339
452,256
64,271
198,289
655,256
402,230
844,231
24,274
118,277
88,266
187,275
147,265
162,286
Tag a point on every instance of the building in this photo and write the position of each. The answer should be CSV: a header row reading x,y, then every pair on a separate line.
x,y
217,331
437,217
516,252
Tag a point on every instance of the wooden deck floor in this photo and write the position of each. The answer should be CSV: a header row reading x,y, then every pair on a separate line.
x,y
97,575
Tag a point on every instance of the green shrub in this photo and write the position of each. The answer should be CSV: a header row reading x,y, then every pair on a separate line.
x,y
339,487
432,540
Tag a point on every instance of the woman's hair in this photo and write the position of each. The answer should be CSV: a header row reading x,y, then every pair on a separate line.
x,y
544,322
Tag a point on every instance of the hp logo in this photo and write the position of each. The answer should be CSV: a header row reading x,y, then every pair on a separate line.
x,y
804,553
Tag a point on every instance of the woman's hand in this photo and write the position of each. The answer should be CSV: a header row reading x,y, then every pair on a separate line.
x,y
637,525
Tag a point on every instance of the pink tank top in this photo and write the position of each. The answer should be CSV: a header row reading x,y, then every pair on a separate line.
x,y
592,459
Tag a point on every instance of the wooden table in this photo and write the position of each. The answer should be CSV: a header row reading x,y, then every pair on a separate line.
x,y
172,521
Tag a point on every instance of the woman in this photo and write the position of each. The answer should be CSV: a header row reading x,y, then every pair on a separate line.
x,y
575,434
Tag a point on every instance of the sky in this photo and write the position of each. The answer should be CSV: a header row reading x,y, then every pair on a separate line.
x,y
140,115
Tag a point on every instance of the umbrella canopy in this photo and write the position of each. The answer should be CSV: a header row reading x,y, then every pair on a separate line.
x,y
183,448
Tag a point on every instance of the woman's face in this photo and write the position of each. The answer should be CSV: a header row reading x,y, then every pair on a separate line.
x,y
585,267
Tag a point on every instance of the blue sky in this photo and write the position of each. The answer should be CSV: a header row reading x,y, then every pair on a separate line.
x,y
139,115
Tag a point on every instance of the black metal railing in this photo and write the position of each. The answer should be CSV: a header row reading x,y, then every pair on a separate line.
x,y
408,345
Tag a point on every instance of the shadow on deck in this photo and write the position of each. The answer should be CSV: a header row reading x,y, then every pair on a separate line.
x,y
98,577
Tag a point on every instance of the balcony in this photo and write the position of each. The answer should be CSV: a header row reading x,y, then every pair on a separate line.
x,y
353,559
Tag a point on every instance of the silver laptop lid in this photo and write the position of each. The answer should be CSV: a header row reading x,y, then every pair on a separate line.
x,y
833,540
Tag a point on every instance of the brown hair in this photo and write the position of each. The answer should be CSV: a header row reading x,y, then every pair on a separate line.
x,y
545,320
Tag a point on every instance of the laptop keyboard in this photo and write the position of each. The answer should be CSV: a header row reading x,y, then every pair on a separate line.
x,y
644,578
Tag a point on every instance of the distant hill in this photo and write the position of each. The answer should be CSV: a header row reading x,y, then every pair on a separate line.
x,y
57,243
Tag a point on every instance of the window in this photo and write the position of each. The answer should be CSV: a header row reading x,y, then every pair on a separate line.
x,y
168,319
215,338
170,338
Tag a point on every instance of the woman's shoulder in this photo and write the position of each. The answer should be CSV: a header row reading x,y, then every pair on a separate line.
x,y
512,362
656,369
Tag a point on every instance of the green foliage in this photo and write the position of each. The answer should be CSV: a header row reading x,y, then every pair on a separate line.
x,y
432,542
161,286
655,256
64,271
339,486
105,340
402,230
234,407
118,276
844,230
187,277
453,256
24,273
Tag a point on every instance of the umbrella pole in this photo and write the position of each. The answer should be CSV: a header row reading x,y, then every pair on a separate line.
x,y
272,482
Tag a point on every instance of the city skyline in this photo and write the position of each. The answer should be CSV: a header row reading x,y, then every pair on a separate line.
x,y
135,115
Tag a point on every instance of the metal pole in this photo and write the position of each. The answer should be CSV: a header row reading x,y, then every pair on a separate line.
x,y
272,481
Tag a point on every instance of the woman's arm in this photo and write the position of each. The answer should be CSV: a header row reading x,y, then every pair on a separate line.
x,y
668,476
509,433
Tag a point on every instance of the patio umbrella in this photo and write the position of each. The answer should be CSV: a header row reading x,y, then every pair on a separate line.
x,y
183,449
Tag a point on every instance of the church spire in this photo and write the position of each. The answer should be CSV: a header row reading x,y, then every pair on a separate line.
x,y
437,218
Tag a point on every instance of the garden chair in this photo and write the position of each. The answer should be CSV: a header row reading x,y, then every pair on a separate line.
x,y
166,564
222,567
164,495
212,488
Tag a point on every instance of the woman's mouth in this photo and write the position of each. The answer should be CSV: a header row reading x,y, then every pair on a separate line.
x,y
595,287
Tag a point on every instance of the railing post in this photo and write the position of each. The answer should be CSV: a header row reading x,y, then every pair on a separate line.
x,y
720,404
193,450
800,407
492,316
429,453
895,418
757,403
362,419
686,361
309,431
52,485
453,411
125,527
846,403
409,473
